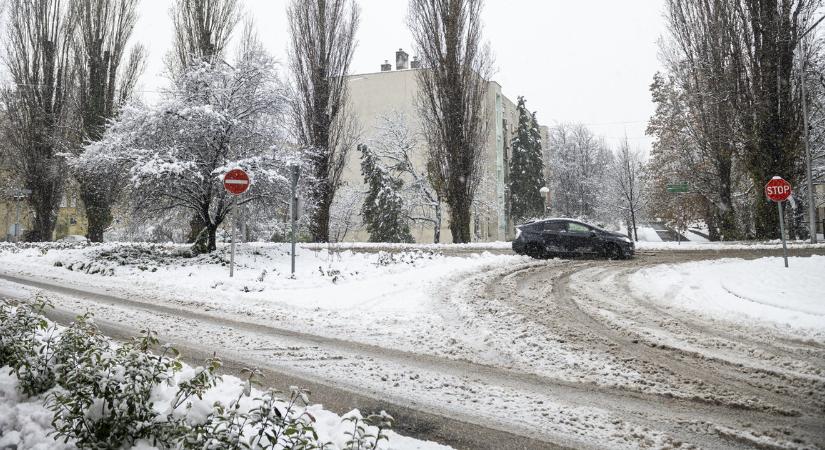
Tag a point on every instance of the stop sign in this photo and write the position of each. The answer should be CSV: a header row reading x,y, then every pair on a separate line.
x,y
236,182
778,189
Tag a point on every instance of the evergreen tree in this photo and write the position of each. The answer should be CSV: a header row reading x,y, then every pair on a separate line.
x,y
526,168
383,208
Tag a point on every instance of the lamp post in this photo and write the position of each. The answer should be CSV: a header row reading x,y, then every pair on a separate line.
x,y
808,162
545,191
19,195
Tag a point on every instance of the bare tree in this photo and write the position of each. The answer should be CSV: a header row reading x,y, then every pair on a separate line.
x,y
322,42
626,186
202,30
104,28
579,161
396,144
453,87
704,60
39,60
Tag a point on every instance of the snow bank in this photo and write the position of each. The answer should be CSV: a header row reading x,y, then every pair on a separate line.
x,y
743,291
24,423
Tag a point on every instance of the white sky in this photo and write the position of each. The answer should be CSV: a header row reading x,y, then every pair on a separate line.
x,y
588,61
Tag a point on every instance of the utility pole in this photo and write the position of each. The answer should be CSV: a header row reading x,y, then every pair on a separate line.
x,y
808,162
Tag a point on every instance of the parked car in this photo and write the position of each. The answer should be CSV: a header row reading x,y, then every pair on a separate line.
x,y
569,237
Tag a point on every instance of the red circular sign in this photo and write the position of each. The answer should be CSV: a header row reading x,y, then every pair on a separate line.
x,y
778,189
236,182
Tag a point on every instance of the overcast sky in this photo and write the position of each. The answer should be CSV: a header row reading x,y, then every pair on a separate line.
x,y
588,61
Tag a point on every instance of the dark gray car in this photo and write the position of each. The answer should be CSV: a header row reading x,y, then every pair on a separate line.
x,y
568,237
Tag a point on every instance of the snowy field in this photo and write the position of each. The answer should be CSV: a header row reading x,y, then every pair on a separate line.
x,y
762,290
470,336
383,299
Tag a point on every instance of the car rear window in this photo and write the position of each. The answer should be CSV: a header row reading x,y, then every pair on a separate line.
x,y
577,227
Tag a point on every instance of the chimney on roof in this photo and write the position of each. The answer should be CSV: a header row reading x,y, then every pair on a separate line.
x,y
402,60
416,63
386,67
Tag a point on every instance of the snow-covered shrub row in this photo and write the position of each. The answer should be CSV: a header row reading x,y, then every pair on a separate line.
x,y
404,257
104,395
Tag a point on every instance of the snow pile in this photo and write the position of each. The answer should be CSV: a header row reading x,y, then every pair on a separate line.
x,y
743,291
24,423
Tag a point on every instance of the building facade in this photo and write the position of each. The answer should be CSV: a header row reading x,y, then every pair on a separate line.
x,y
15,213
394,93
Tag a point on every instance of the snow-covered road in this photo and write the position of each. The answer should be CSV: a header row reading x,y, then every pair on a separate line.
x,y
564,352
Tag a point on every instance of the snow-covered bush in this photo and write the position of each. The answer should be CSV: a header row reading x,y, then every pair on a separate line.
x,y
27,345
104,395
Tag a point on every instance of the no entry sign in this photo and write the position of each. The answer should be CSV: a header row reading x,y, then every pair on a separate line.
x,y
236,182
778,190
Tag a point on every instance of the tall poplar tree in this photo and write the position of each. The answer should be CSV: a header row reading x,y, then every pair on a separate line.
x,y
322,34
38,56
103,31
453,87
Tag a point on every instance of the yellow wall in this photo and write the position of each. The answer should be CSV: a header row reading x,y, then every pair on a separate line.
x,y
71,218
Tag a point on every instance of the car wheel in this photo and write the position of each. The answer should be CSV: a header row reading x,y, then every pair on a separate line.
x,y
535,251
612,251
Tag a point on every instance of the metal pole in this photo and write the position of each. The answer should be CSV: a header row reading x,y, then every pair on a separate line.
x,y
232,251
293,213
809,171
782,233
17,220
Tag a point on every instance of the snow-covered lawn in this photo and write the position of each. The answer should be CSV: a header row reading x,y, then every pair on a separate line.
x,y
761,290
391,300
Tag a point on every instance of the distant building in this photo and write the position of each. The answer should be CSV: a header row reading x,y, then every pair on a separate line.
x,y
389,92
71,218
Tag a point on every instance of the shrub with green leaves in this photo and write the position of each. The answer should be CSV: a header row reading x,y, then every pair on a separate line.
x,y
102,396
106,396
360,438
27,345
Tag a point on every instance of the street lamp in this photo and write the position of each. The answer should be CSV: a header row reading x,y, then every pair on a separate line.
x,y
545,191
808,163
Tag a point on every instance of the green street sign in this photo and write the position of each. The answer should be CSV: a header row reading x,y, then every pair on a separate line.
x,y
678,188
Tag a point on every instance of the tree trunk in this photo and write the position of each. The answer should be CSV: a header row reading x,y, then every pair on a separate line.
x,y
437,232
633,223
44,202
766,222
196,226
319,225
42,226
711,220
212,243
460,223
98,211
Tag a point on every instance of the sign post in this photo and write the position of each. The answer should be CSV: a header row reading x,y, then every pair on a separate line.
x,y
293,212
236,182
778,190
